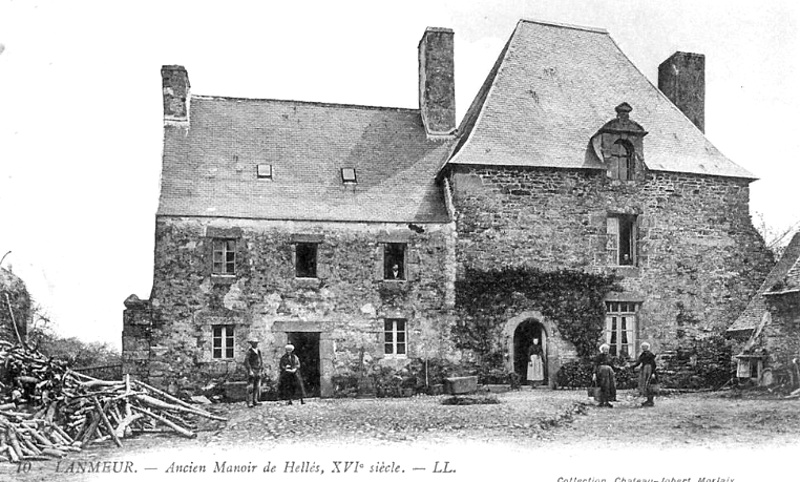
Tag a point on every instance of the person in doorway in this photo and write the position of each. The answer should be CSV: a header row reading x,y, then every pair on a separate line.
x,y
291,382
395,274
535,363
647,374
604,377
254,364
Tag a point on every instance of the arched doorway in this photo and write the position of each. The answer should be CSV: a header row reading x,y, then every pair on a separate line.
x,y
524,334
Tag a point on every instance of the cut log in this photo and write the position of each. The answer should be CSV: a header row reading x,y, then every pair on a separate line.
x,y
53,452
12,454
125,423
186,433
154,402
27,443
102,412
35,434
12,440
63,434
178,401
87,436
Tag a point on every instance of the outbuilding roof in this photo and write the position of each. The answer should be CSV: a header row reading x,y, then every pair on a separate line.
x,y
554,86
210,168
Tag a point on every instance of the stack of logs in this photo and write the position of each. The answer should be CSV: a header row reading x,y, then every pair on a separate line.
x,y
48,410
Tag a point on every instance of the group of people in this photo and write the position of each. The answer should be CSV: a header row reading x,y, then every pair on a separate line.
x,y
603,374
290,382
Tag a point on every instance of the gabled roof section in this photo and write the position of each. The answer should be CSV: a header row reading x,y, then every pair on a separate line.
x,y
210,169
554,86
785,272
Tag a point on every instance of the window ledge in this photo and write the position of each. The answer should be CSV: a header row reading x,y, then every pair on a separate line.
x,y
223,279
307,282
394,284
630,271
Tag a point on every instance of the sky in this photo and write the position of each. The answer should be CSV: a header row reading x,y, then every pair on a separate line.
x,y
81,108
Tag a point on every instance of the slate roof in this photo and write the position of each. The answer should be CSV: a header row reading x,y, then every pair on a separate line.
x,y
554,86
786,274
211,169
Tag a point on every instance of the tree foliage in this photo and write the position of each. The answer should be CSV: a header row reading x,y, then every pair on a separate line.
x,y
74,351
573,300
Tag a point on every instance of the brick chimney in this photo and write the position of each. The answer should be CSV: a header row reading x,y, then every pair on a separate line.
x,y
437,95
682,78
175,84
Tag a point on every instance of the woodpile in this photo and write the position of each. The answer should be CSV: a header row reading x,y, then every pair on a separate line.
x,y
48,410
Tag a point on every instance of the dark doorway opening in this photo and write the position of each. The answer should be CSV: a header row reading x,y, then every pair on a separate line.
x,y
523,338
306,347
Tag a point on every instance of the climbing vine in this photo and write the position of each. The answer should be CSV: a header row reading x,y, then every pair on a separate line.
x,y
573,300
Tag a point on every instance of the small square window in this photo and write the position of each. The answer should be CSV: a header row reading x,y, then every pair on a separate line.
x,y
264,171
306,260
394,257
349,175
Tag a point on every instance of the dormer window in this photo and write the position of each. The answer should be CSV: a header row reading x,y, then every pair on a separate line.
x,y
619,145
349,175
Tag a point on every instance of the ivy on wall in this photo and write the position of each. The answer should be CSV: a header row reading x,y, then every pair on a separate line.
x,y
573,300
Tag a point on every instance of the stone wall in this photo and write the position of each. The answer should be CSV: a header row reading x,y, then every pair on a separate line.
x,y
346,304
699,259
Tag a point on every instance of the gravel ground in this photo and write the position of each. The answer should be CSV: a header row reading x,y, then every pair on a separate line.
x,y
555,425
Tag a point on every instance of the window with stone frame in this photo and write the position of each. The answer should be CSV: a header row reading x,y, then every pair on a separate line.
x,y
394,337
621,326
223,256
394,261
305,260
222,342
621,239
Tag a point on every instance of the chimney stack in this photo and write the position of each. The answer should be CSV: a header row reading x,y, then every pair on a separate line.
x,y
682,78
175,84
437,95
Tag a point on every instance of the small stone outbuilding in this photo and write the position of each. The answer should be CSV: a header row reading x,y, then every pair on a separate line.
x,y
768,331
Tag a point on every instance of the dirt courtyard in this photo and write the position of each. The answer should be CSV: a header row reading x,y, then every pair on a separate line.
x,y
397,434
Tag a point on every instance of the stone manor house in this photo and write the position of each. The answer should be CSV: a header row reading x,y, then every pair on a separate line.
x,y
345,228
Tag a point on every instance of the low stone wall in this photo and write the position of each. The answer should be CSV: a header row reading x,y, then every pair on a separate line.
x,y
704,363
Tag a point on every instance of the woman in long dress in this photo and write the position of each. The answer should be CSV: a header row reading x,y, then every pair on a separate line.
x,y
535,364
604,376
647,375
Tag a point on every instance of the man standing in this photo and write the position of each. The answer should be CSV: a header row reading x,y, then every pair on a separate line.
x,y
254,364
291,382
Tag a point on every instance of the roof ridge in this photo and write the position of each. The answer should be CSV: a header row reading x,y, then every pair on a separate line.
x,y
304,102
565,25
